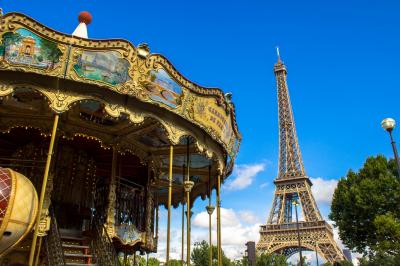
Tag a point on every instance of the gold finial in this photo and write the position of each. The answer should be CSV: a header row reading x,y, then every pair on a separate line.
x,y
279,55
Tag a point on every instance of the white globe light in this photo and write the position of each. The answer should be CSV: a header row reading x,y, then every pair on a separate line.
x,y
388,124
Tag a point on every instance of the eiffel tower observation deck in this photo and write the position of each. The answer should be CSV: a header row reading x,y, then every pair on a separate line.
x,y
282,234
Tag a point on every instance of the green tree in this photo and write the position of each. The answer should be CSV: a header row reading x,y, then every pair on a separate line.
x,y
241,262
50,51
266,259
366,208
200,255
380,259
153,262
10,38
175,263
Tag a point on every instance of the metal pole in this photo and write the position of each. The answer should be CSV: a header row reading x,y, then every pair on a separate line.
x,y
38,252
147,261
126,259
43,191
210,239
157,216
219,221
183,219
171,154
188,228
209,213
183,233
396,155
188,206
316,253
298,235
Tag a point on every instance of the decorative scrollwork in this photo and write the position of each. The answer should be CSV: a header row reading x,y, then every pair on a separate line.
x,y
61,100
6,89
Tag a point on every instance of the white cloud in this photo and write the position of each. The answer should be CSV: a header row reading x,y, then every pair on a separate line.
x,y
323,189
237,229
243,175
249,217
263,185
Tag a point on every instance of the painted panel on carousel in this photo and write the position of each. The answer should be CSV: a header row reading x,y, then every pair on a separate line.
x,y
162,88
23,47
207,112
107,67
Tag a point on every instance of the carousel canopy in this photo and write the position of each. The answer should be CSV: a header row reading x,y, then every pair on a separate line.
x,y
117,93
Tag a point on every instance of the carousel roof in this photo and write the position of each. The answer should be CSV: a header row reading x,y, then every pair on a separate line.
x,y
127,83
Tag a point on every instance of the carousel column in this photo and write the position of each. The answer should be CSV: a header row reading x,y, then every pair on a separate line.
x,y
157,217
188,185
219,244
183,218
110,222
188,188
210,209
149,211
171,159
183,231
42,223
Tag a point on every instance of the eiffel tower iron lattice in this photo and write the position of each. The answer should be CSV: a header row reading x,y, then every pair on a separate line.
x,y
279,235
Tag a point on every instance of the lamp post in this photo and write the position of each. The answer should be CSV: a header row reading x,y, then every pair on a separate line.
x,y
389,124
295,203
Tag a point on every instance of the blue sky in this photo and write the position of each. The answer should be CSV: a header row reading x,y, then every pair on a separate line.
x,y
342,59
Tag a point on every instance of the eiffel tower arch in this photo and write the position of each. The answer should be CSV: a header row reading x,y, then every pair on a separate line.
x,y
281,233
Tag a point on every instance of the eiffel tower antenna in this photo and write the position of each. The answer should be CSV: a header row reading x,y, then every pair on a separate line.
x,y
278,54
281,233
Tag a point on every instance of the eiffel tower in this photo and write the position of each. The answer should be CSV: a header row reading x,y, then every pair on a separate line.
x,y
281,233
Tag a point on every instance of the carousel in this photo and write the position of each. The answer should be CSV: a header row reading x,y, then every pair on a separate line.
x,y
95,137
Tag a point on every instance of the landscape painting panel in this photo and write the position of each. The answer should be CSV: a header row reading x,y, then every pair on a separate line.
x,y
23,47
163,88
106,67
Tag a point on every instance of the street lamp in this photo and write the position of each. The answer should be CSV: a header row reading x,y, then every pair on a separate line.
x,y
389,124
295,203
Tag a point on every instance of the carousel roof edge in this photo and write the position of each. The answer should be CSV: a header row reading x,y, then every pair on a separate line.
x,y
39,24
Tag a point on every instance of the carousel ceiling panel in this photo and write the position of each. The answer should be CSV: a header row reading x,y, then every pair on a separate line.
x,y
24,99
117,67
196,161
95,112
155,137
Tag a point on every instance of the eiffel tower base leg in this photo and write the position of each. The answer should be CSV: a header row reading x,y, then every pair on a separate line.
x,y
283,239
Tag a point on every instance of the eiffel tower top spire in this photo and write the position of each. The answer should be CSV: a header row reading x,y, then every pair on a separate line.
x,y
290,161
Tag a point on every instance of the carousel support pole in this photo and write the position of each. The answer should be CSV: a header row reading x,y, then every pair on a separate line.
x,y
171,154
111,211
188,188
188,228
210,210
183,232
43,191
38,252
125,258
219,221
157,221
